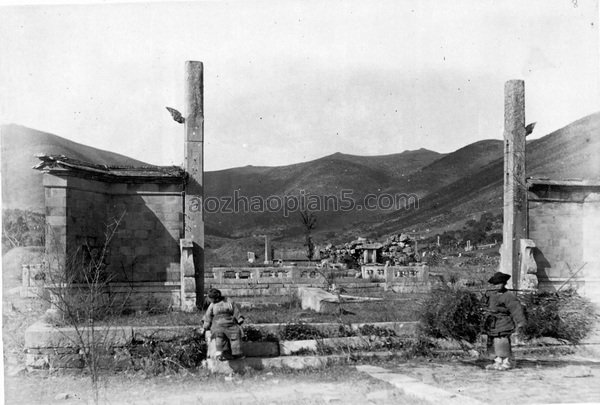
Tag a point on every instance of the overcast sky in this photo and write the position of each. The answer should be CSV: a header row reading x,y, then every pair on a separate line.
x,y
290,81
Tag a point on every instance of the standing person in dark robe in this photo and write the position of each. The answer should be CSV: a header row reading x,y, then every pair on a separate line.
x,y
504,316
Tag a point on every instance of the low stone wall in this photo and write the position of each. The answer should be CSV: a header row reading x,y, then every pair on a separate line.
x,y
53,347
226,275
140,296
400,279
276,281
245,289
391,274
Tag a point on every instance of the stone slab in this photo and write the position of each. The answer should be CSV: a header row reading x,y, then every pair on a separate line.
x,y
313,298
290,362
257,363
292,347
43,335
250,349
414,387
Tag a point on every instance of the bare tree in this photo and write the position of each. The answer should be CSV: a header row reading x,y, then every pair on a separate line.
x,y
309,221
80,298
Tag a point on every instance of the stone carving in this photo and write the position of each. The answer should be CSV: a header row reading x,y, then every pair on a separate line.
x,y
528,266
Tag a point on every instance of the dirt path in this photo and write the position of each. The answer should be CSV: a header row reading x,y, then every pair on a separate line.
x,y
338,385
534,381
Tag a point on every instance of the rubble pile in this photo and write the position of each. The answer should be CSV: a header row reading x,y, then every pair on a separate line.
x,y
398,249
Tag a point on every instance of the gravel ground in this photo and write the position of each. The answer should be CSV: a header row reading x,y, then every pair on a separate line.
x,y
540,380
535,380
336,385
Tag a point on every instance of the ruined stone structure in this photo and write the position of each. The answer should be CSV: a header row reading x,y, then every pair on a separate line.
x,y
84,201
192,248
564,223
551,230
515,198
157,253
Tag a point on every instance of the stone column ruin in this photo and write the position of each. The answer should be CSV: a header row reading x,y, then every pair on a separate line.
x,y
515,188
268,251
192,247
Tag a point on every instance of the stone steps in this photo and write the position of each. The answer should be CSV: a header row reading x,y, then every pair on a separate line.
x,y
291,362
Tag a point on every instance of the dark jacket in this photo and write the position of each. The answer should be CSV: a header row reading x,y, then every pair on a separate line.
x,y
222,315
504,313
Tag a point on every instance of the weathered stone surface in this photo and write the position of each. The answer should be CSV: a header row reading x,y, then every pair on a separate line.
x,y
577,372
378,396
189,284
312,298
412,386
67,361
42,335
292,347
64,395
401,328
256,363
260,349
36,361
250,349
13,371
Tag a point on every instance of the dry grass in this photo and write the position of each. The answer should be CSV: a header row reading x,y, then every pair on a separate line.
x,y
18,313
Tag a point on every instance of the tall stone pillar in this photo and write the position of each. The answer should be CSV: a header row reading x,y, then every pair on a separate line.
x,y
193,282
268,255
515,189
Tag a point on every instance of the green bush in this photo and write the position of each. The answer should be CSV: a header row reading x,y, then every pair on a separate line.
x,y
562,315
451,314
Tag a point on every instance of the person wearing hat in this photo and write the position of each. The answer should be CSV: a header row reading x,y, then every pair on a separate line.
x,y
504,316
223,319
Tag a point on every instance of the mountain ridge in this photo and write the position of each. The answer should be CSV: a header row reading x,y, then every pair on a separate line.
x,y
450,186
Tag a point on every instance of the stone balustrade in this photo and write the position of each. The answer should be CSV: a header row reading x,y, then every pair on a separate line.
x,y
229,275
393,274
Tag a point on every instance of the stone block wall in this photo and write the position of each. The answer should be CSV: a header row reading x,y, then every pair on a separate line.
x,y
556,228
393,274
148,222
591,246
55,193
146,244
564,223
86,219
